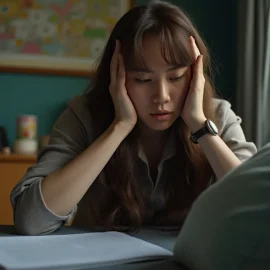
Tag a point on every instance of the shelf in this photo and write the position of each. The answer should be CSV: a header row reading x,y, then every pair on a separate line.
x,y
16,157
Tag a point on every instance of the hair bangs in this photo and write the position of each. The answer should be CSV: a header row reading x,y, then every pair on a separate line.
x,y
175,46
133,52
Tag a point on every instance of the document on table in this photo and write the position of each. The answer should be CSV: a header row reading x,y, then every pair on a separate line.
x,y
75,251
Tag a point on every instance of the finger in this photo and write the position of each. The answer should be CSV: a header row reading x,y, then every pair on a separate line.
x,y
114,63
199,65
195,50
198,78
121,70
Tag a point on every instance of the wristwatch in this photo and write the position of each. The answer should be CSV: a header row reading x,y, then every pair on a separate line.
x,y
209,128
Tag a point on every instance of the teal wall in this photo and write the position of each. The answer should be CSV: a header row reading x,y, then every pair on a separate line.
x,y
44,96
47,96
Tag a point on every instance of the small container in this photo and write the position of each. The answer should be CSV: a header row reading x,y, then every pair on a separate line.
x,y
27,127
6,150
26,147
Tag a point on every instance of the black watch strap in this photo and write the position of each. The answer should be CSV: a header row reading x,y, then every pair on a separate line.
x,y
198,134
209,128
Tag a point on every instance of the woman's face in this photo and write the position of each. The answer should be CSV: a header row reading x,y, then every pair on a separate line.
x,y
158,92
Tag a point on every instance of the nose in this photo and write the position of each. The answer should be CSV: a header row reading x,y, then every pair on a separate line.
x,y
161,95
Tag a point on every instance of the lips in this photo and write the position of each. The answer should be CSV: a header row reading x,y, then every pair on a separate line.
x,y
161,112
162,116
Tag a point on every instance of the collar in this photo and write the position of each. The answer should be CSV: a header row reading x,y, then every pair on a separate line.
x,y
168,152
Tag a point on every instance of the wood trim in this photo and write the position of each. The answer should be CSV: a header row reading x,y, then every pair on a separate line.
x,y
15,157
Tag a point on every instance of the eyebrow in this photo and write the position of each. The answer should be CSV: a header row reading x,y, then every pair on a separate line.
x,y
146,70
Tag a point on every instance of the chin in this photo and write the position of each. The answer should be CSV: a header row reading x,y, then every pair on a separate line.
x,y
162,126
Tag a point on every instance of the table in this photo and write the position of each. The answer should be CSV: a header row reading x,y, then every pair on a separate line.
x,y
12,168
163,238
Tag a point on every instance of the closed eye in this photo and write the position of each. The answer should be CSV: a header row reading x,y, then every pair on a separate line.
x,y
174,79
142,81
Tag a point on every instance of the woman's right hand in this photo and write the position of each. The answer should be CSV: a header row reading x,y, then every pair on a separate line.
x,y
124,110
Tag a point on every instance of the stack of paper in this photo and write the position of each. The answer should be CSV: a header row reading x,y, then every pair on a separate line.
x,y
75,251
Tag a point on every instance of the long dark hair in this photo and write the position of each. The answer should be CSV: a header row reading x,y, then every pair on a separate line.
x,y
173,28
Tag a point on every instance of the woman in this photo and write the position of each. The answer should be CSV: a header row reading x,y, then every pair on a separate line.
x,y
142,144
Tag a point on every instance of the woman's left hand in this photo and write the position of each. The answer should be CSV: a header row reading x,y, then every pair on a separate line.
x,y
192,112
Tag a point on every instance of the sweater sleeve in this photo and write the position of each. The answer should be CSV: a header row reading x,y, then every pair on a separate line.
x,y
231,131
67,140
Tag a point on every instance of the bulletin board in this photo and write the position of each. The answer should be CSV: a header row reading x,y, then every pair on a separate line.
x,y
56,36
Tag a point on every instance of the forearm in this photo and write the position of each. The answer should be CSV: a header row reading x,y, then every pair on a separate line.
x,y
63,189
219,155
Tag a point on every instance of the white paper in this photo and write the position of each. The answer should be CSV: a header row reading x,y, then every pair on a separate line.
x,y
75,251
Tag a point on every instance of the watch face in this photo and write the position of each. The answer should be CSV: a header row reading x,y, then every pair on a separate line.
x,y
212,127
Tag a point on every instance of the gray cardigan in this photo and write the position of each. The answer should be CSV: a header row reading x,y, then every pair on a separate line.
x,y
70,136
